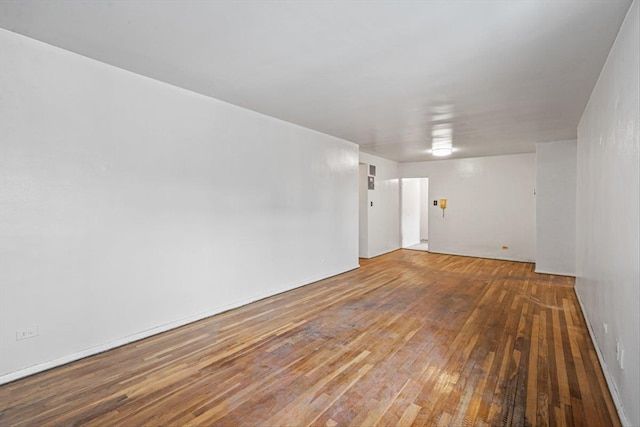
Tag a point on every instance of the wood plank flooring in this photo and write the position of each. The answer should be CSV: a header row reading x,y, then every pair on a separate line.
x,y
410,338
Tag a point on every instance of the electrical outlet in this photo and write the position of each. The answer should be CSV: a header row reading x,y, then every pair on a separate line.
x,y
605,327
23,334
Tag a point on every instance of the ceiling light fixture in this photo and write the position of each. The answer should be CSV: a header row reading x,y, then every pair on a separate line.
x,y
442,131
441,146
442,151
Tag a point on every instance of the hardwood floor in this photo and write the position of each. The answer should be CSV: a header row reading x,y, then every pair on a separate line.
x,y
411,338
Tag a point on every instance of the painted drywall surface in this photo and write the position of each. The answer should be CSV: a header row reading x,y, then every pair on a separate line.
x,y
128,204
384,215
490,204
363,212
556,207
608,218
410,211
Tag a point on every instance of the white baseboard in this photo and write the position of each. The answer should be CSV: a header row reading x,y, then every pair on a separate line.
x,y
481,256
31,370
612,386
555,273
382,253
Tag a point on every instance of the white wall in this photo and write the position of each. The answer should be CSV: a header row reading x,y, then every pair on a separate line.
x,y
384,215
410,211
129,206
608,203
363,212
490,204
424,209
556,207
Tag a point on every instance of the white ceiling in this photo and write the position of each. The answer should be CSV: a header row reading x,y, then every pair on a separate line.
x,y
505,74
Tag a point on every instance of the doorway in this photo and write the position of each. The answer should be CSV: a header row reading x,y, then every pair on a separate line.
x,y
415,213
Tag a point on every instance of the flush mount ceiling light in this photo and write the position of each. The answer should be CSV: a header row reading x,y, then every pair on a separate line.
x,y
442,131
442,151
441,146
